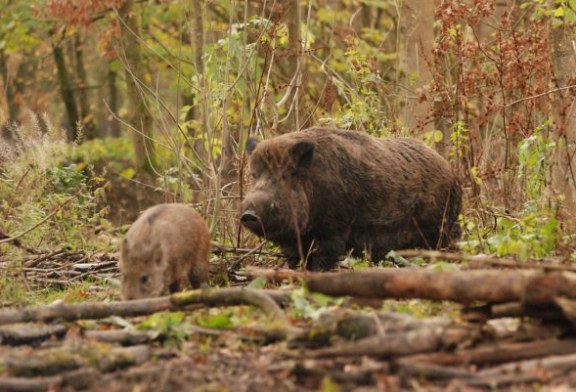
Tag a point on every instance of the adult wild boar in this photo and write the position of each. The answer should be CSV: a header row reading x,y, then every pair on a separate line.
x,y
321,192
166,248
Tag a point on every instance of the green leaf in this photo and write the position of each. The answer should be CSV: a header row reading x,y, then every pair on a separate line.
x,y
128,173
570,16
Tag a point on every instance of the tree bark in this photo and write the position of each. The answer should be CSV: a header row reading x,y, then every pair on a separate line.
x,y
208,297
201,132
417,34
139,116
293,66
10,97
67,92
421,340
564,64
498,353
86,115
534,288
113,104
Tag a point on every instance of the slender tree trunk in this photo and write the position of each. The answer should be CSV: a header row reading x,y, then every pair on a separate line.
x,y
417,40
139,116
202,133
86,115
10,97
564,63
113,104
293,66
67,92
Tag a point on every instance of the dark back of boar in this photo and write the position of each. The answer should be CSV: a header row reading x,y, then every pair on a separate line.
x,y
320,193
166,248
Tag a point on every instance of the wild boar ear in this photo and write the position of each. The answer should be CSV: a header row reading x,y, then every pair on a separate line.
x,y
251,144
302,153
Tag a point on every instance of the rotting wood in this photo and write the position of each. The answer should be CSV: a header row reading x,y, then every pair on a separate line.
x,y
29,334
303,371
495,383
398,344
480,261
532,287
61,311
431,371
568,308
512,309
79,379
19,384
47,362
354,325
123,337
274,275
551,363
496,353
206,297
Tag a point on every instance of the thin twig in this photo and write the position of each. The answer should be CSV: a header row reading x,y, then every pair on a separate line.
x,y
13,238
541,94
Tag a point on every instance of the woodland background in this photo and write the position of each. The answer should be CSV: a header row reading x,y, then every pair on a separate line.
x,y
108,107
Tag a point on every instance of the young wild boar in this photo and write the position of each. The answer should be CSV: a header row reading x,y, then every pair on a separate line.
x,y
167,247
321,192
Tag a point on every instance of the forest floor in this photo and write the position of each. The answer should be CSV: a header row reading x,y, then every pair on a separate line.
x,y
517,336
443,322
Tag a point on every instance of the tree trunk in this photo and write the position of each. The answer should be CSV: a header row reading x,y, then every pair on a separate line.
x,y
417,34
10,97
67,92
293,67
139,116
86,115
113,104
202,132
564,64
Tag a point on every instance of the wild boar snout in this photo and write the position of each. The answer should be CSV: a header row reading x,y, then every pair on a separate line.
x,y
256,206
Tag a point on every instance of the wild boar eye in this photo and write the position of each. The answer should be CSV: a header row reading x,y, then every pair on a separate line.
x,y
144,279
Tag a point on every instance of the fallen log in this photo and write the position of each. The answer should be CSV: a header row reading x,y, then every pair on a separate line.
x,y
568,308
123,337
61,311
274,275
421,340
531,287
206,297
48,362
496,353
485,312
481,261
230,297
553,363
76,380
29,334
431,371
353,325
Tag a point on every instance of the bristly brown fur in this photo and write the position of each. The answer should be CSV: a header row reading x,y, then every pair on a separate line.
x,y
164,251
322,192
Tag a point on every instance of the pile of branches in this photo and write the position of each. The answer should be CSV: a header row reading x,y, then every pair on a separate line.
x,y
61,267
516,326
